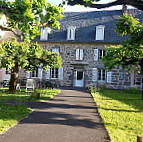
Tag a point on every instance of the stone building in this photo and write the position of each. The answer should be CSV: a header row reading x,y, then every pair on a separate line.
x,y
81,43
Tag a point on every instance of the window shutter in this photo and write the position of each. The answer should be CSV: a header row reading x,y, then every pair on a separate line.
x,y
109,77
94,74
81,54
100,32
48,74
68,33
60,73
73,34
95,54
27,74
40,71
77,54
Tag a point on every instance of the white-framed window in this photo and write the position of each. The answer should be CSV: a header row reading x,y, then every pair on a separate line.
x,y
100,32
56,50
54,73
101,54
34,73
101,74
44,33
71,33
79,54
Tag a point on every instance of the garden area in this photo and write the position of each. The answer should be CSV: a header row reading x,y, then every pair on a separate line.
x,y
121,112
10,114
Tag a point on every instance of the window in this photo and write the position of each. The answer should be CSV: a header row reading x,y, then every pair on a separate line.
x,y
56,50
34,73
79,54
101,53
54,73
44,33
100,32
71,33
101,74
7,71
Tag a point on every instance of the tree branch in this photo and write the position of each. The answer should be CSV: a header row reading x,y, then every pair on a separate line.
x,y
10,29
135,3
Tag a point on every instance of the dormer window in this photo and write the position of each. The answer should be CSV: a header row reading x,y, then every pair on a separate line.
x,y
44,33
100,32
71,33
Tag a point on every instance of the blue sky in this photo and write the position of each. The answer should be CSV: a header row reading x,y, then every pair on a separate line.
x,y
81,8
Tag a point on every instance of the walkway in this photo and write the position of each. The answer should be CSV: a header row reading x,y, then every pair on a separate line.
x,y
71,116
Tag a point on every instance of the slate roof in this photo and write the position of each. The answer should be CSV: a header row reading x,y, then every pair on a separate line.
x,y
85,23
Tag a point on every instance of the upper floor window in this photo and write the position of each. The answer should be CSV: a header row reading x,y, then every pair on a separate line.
x,y
44,33
7,71
100,32
71,33
56,50
99,54
79,54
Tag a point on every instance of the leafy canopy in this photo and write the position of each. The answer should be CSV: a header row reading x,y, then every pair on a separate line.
x,y
16,55
28,15
129,55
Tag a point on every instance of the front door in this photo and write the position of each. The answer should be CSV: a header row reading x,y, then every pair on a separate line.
x,y
79,79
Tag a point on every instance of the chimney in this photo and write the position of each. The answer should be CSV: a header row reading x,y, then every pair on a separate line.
x,y
124,9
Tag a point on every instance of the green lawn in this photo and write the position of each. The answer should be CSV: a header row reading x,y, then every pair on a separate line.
x,y
45,94
11,114
122,114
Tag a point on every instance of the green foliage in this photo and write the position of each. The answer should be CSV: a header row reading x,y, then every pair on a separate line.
x,y
122,114
10,115
29,15
16,55
129,55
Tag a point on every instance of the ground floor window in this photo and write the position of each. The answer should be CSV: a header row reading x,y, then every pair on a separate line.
x,y
34,73
54,73
101,74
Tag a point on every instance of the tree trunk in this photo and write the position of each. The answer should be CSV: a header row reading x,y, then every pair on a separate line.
x,y
13,78
13,82
142,87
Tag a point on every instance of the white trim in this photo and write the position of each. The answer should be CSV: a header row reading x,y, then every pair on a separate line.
x,y
71,33
100,34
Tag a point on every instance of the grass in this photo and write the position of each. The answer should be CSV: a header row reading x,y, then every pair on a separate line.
x,y
122,114
11,114
45,94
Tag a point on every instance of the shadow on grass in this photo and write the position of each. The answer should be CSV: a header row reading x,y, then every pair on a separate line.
x,y
130,98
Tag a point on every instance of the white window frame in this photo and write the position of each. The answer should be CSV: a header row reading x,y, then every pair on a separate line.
x,y
102,75
79,54
71,33
55,50
44,33
103,53
98,36
54,77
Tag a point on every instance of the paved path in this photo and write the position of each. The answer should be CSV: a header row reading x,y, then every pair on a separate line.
x,y
71,116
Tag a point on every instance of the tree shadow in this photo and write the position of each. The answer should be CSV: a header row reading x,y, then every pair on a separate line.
x,y
130,98
39,117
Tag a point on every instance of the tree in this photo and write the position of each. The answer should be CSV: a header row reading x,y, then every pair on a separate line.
x,y
92,3
28,15
16,55
129,55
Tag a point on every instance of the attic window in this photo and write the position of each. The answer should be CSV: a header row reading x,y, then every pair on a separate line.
x,y
71,33
100,32
44,33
